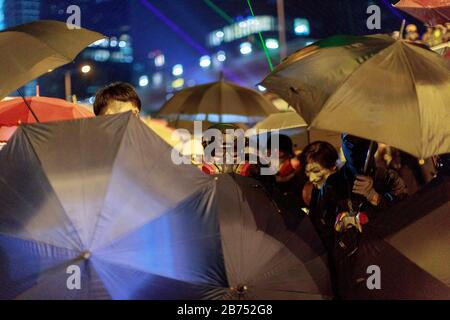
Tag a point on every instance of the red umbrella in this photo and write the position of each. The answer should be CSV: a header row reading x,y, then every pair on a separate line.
x,y
14,111
431,12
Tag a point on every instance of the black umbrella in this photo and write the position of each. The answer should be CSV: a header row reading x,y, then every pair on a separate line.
x,y
100,200
410,244
263,258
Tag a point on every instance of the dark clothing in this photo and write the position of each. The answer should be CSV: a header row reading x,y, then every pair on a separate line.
x,y
335,197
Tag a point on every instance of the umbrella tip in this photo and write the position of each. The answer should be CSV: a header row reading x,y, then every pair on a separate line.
x,y
240,289
221,76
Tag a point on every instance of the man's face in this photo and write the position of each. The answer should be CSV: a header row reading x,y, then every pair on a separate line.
x,y
317,174
116,106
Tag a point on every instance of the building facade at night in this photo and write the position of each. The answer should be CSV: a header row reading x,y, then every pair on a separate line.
x,y
16,12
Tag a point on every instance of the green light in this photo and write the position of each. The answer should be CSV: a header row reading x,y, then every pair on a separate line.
x,y
219,11
266,52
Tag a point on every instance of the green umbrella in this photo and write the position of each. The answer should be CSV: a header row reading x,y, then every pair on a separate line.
x,y
30,50
375,87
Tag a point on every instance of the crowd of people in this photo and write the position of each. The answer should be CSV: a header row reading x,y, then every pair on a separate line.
x,y
339,196
434,35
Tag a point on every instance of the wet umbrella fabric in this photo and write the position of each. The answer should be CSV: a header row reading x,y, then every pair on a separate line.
x,y
101,197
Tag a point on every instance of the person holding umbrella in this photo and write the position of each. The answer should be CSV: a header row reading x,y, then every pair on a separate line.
x,y
354,197
318,160
116,98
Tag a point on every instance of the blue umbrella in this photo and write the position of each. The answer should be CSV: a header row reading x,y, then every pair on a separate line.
x,y
95,209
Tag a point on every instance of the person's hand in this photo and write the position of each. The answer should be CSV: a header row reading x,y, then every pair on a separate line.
x,y
363,185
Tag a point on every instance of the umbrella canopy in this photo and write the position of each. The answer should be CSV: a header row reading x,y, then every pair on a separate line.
x,y
101,195
282,121
431,12
218,98
6,133
263,258
410,244
14,112
32,49
374,87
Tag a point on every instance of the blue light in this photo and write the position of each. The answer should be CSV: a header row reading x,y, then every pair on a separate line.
x,y
205,61
221,56
245,48
301,27
2,15
143,81
177,70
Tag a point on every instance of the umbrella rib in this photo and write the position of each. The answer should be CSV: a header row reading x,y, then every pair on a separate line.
x,y
134,268
80,242
408,65
109,185
199,189
36,241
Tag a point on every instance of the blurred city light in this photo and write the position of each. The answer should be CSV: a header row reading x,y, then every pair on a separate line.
x,y
301,27
220,34
86,68
177,70
246,48
160,60
143,81
113,42
205,61
221,56
157,79
262,88
178,83
272,44
122,44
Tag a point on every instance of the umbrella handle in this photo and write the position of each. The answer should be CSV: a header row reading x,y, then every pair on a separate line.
x,y
27,104
370,154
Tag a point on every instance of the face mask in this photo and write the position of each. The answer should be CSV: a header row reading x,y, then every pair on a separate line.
x,y
317,174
